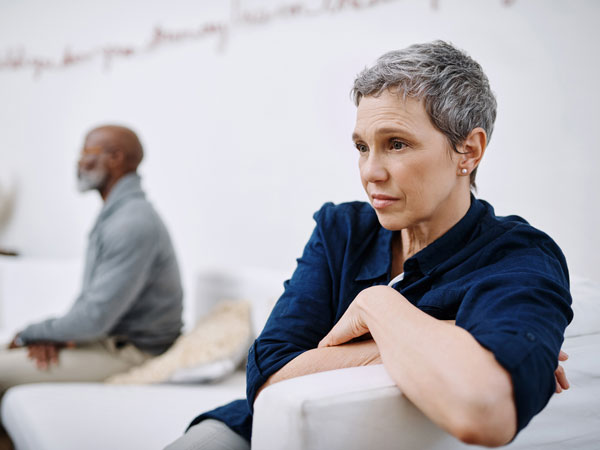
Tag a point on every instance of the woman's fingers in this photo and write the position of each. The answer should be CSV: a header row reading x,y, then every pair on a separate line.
x,y
350,326
558,388
561,379
337,335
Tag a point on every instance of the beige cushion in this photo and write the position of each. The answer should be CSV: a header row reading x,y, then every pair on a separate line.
x,y
212,350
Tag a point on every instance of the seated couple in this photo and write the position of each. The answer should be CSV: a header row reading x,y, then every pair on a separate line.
x,y
465,309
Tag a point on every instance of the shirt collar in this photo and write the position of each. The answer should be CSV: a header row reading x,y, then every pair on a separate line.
x,y
451,242
129,185
378,260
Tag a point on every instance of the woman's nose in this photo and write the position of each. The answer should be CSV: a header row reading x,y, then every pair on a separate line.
x,y
373,169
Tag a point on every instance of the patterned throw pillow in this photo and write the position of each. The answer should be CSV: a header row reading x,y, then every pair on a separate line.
x,y
212,350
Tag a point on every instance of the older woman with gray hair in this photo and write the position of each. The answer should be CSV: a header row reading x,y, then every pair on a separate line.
x,y
465,309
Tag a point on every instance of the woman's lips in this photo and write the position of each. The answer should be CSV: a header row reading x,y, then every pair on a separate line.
x,y
381,201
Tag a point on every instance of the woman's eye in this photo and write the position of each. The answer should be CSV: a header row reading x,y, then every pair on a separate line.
x,y
362,148
398,145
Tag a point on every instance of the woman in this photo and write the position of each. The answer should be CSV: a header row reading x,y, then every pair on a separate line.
x,y
424,253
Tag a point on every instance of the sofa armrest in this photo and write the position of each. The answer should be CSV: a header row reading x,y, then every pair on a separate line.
x,y
354,408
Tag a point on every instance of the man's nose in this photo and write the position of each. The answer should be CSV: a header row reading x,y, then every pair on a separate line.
x,y
81,162
85,162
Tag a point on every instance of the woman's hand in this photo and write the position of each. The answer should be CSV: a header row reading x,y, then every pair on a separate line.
x,y
352,324
560,375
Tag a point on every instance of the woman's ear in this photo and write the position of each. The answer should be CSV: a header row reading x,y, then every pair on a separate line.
x,y
472,150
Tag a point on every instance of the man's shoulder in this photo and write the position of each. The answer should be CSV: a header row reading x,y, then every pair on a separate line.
x,y
133,217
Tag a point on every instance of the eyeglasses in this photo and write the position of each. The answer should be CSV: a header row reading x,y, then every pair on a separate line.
x,y
94,152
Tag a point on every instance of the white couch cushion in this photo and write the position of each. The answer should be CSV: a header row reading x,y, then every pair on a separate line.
x,y
75,416
361,408
586,307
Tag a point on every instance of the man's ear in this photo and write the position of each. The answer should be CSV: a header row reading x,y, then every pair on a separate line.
x,y
472,150
116,159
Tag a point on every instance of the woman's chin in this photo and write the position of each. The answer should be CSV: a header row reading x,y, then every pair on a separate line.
x,y
392,222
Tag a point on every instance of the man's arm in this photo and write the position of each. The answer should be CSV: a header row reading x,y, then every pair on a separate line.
x,y
120,274
43,354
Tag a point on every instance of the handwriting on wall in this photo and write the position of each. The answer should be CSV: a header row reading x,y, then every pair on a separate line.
x,y
20,59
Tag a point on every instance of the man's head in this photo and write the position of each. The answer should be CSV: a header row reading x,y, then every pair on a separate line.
x,y
109,152
455,91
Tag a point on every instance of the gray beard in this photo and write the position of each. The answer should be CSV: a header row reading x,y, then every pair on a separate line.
x,y
90,180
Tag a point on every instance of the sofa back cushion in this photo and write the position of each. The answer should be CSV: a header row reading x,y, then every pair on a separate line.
x,y
32,289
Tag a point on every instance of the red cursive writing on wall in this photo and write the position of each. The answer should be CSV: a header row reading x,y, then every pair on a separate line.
x,y
20,59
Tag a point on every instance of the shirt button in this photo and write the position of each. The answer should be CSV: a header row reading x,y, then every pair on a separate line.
x,y
530,336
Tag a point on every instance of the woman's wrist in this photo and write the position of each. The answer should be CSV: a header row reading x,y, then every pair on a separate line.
x,y
374,302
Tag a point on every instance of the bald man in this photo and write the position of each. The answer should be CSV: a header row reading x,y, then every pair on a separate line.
x,y
130,305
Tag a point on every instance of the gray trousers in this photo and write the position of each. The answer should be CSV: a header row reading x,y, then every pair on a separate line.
x,y
210,435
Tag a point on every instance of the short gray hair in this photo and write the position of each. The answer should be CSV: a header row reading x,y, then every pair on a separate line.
x,y
453,87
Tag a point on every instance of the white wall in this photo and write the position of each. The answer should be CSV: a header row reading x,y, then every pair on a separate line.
x,y
247,132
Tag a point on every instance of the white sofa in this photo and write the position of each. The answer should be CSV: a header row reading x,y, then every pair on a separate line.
x,y
357,408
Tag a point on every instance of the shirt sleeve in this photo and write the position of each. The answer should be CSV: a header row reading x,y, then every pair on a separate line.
x,y
519,313
301,317
121,272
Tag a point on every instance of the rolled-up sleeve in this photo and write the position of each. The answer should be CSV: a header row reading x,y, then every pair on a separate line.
x,y
519,311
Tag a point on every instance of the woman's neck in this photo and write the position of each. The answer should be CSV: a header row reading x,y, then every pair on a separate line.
x,y
411,240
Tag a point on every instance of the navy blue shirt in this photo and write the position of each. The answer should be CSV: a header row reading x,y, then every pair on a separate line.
x,y
502,280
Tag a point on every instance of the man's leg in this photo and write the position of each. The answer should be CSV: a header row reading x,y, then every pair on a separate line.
x,y
89,362
210,435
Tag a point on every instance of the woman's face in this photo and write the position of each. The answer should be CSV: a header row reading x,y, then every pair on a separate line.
x,y
407,167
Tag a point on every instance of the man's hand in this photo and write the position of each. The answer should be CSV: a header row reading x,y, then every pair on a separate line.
x,y
46,353
15,343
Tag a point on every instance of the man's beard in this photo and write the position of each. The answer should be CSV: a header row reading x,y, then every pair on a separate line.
x,y
88,180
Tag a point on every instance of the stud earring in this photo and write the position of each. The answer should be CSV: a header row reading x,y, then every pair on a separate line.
x,y
463,171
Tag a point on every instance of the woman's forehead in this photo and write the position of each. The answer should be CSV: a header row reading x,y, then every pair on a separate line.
x,y
387,110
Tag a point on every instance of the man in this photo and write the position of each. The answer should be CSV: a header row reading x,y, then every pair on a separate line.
x,y
130,305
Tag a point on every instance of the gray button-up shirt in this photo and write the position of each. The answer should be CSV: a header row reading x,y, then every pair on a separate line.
x,y
131,285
